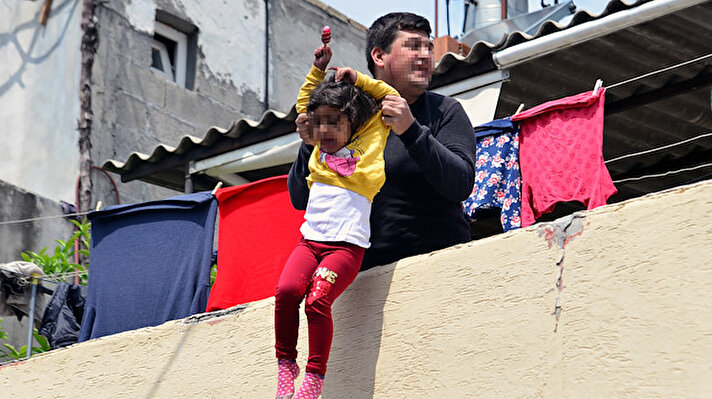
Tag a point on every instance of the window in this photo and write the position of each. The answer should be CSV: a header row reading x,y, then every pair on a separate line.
x,y
169,53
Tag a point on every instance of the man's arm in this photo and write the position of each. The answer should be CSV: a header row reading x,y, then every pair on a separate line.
x,y
297,180
373,87
448,161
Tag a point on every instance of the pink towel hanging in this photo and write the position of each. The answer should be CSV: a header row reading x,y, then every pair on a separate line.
x,y
561,155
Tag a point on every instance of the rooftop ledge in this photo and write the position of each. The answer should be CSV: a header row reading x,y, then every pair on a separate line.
x,y
613,302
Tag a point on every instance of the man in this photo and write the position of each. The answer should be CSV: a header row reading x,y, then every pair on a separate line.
x,y
429,154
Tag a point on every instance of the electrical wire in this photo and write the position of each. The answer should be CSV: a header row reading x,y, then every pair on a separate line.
x,y
659,71
50,278
671,172
658,148
42,218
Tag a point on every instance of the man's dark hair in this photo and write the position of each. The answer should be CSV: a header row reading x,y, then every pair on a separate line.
x,y
349,99
384,30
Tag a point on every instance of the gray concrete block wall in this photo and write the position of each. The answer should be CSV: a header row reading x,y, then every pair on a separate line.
x,y
18,204
137,109
125,92
296,32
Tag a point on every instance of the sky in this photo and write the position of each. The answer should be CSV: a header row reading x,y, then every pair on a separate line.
x,y
367,11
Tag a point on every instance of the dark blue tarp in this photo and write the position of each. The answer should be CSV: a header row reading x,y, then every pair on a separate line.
x,y
149,263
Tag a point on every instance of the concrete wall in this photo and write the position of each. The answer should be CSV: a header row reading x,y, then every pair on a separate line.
x,y
613,302
136,109
39,97
296,32
18,204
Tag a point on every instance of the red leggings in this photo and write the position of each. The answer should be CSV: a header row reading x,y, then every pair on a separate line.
x,y
321,271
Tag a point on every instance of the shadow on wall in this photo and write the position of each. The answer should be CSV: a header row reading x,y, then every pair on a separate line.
x,y
355,352
185,331
26,56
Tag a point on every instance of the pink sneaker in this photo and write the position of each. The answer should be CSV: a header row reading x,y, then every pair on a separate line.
x,y
311,386
287,372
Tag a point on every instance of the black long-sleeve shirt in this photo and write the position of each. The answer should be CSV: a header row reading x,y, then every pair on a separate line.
x,y
429,170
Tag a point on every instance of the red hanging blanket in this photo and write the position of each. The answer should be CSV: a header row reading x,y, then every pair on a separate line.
x,y
258,229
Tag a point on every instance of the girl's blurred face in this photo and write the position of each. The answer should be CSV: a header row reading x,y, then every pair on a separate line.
x,y
331,128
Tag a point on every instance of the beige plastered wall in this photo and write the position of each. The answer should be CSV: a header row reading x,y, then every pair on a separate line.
x,y
610,303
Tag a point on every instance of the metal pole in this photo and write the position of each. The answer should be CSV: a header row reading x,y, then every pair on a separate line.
x,y
447,15
189,184
436,19
266,55
31,329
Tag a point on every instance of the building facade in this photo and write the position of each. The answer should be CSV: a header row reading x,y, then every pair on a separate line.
x,y
163,70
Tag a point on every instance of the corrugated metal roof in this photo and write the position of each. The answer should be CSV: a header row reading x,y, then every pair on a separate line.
x,y
656,111
172,160
666,108
453,67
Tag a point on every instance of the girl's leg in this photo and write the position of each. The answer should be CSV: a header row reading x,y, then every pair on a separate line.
x,y
292,285
339,265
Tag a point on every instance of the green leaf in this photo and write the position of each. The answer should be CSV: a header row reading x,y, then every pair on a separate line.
x,y
60,259
14,353
44,344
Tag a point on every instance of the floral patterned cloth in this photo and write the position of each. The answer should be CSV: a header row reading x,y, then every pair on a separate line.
x,y
497,179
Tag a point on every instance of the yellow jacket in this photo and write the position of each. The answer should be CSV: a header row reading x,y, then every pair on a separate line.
x,y
367,143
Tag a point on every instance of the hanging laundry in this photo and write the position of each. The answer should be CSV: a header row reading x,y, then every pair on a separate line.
x,y
561,155
259,228
150,263
16,290
63,315
497,179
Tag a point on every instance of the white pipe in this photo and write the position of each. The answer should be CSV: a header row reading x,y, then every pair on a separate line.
x,y
472,83
277,151
547,44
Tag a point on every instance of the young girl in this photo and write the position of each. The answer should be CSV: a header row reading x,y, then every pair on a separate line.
x,y
346,171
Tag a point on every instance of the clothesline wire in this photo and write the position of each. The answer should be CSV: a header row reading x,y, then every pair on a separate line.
x,y
671,172
659,148
42,218
52,278
659,71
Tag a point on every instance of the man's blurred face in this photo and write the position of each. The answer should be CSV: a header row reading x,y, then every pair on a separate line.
x,y
408,66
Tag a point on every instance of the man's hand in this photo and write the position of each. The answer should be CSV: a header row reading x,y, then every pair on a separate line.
x,y
322,56
304,129
346,74
396,113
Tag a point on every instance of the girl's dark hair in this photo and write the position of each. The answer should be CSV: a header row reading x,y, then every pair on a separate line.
x,y
349,99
